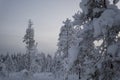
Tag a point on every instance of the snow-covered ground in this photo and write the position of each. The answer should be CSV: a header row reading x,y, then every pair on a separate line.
x,y
37,76
23,76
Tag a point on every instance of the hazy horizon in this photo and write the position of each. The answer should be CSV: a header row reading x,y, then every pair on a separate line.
x,y
46,15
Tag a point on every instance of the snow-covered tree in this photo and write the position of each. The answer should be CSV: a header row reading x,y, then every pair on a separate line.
x,y
29,37
102,24
49,63
99,20
3,70
57,65
10,67
41,61
30,45
65,37
106,28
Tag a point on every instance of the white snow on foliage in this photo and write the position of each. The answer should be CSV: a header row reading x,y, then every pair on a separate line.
x,y
108,18
73,53
84,7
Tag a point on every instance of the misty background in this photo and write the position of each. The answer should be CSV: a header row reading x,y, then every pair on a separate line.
x,y
46,15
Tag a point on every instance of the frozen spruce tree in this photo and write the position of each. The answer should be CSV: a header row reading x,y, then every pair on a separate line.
x,y
57,65
102,23
49,63
88,55
65,37
10,67
66,41
84,53
42,62
107,29
31,47
98,21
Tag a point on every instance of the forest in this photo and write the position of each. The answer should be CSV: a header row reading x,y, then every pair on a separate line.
x,y
88,48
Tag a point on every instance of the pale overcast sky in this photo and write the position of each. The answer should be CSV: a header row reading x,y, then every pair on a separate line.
x,y
47,16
